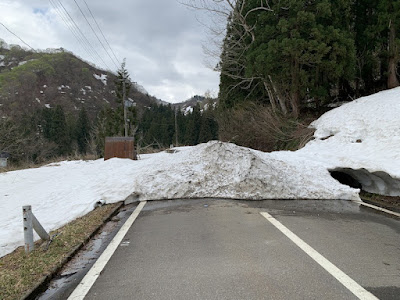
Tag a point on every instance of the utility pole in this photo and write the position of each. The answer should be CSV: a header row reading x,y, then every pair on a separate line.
x,y
123,101
124,77
176,128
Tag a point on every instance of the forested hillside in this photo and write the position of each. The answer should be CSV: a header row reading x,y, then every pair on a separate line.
x,y
296,59
165,125
299,54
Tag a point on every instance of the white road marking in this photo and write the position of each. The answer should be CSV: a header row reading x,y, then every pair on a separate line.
x,y
344,279
378,208
87,282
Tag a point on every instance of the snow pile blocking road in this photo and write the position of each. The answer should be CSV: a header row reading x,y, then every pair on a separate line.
x,y
225,170
64,191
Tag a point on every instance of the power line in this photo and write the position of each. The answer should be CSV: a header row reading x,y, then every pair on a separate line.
x,y
90,25
64,18
75,30
90,11
83,35
17,36
85,39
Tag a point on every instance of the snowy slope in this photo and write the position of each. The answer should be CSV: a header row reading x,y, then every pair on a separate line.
x,y
360,137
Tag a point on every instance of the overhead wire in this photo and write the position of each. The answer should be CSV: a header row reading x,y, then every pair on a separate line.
x,y
101,31
74,28
77,32
17,36
83,35
70,26
85,39
91,27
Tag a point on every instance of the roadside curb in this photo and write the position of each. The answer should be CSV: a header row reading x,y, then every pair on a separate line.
x,y
43,284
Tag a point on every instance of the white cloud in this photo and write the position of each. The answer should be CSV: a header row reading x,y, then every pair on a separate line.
x,y
160,39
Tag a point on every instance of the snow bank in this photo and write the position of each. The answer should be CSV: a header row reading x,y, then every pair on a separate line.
x,y
62,192
58,193
362,139
225,170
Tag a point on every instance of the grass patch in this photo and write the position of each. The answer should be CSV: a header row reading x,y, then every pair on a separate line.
x,y
32,165
20,272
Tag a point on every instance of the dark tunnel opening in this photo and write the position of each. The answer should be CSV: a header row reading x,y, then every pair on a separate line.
x,y
346,179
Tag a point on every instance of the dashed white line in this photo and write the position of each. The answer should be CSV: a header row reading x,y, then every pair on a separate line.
x,y
344,279
87,282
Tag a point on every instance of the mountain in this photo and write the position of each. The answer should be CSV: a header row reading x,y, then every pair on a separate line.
x,y
53,104
43,79
188,105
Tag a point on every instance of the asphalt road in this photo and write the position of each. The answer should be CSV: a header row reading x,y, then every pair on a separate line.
x,y
220,249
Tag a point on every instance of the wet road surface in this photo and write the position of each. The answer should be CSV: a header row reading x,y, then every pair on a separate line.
x,y
73,272
223,249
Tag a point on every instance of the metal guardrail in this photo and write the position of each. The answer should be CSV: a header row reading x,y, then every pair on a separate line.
x,y
30,224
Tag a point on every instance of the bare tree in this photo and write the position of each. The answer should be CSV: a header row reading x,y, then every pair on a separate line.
x,y
267,130
32,147
228,18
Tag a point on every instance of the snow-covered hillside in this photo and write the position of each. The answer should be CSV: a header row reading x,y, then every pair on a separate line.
x,y
360,137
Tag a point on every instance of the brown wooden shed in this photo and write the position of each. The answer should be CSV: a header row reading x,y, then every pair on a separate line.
x,y
121,147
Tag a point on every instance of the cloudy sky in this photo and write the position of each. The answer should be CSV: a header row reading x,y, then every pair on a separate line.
x,y
160,39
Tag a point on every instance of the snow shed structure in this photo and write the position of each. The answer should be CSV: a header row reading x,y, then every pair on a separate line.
x,y
121,147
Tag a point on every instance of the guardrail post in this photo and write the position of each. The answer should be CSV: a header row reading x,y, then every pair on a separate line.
x,y
28,228
39,229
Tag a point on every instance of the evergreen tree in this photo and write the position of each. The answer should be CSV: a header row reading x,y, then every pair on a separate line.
x,y
56,130
157,126
389,25
293,53
300,52
126,110
60,131
193,127
209,127
83,131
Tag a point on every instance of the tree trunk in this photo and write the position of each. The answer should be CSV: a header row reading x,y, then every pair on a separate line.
x,y
392,81
270,96
295,97
281,100
392,77
295,103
